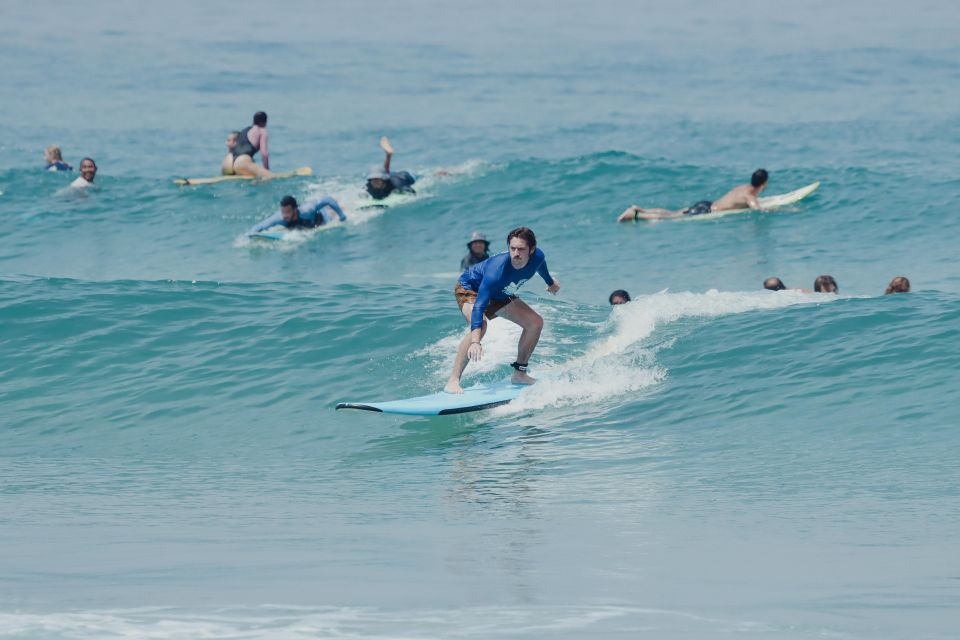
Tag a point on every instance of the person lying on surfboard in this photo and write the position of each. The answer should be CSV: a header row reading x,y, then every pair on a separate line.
x,y
381,183
248,142
488,290
743,196
307,216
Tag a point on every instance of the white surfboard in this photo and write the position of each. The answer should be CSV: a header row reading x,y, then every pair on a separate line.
x,y
281,233
475,398
769,202
391,200
766,203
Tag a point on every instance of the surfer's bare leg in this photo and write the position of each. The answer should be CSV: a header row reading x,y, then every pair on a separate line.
x,y
520,313
460,363
245,166
639,213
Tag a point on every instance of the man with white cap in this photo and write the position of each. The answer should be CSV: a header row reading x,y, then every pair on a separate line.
x,y
479,250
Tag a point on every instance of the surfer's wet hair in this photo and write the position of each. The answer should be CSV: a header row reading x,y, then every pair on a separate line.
x,y
825,284
260,119
759,178
900,284
91,162
774,284
619,293
525,234
288,201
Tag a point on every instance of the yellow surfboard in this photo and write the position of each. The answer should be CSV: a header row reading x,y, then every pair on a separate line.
x,y
302,171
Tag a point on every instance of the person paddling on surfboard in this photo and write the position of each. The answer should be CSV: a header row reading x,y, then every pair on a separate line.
x,y
743,196
249,142
381,184
488,290
295,216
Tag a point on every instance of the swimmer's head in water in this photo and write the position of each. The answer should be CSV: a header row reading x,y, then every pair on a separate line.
x,y
478,243
522,243
825,284
619,297
774,284
260,119
232,139
759,178
288,208
88,169
52,154
900,284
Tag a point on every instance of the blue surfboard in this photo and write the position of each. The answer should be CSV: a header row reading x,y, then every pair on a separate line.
x,y
475,398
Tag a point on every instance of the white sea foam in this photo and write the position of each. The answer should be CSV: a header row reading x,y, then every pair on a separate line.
x,y
619,361
300,623
348,192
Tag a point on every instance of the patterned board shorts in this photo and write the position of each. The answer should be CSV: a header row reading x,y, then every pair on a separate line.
x,y
465,296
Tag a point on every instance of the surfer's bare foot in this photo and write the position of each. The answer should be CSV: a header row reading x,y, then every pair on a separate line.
x,y
519,377
630,213
385,145
453,386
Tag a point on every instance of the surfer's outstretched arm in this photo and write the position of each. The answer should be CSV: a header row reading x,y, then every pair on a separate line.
x,y
272,221
333,204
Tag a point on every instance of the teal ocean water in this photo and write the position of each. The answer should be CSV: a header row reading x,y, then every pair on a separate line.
x,y
711,460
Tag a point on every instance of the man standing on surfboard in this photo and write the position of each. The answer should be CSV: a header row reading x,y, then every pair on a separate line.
x,y
743,196
488,290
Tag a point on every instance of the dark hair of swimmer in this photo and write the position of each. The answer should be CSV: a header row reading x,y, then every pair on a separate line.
x,y
622,295
774,284
825,284
379,188
759,178
525,234
288,201
900,284
260,119
91,161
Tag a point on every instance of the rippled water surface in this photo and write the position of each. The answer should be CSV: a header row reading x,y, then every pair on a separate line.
x,y
711,460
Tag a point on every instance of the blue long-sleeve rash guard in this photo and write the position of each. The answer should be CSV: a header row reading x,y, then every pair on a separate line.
x,y
311,215
496,279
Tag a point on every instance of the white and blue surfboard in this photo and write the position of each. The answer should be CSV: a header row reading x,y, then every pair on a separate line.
x,y
392,200
475,398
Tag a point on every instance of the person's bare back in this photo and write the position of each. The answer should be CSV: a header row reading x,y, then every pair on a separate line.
x,y
742,196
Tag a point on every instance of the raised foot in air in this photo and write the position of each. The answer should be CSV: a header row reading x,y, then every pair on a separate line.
x,y
519,377
385,145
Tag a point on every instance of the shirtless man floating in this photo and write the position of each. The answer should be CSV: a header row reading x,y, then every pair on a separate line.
x,y
488,290
743,196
